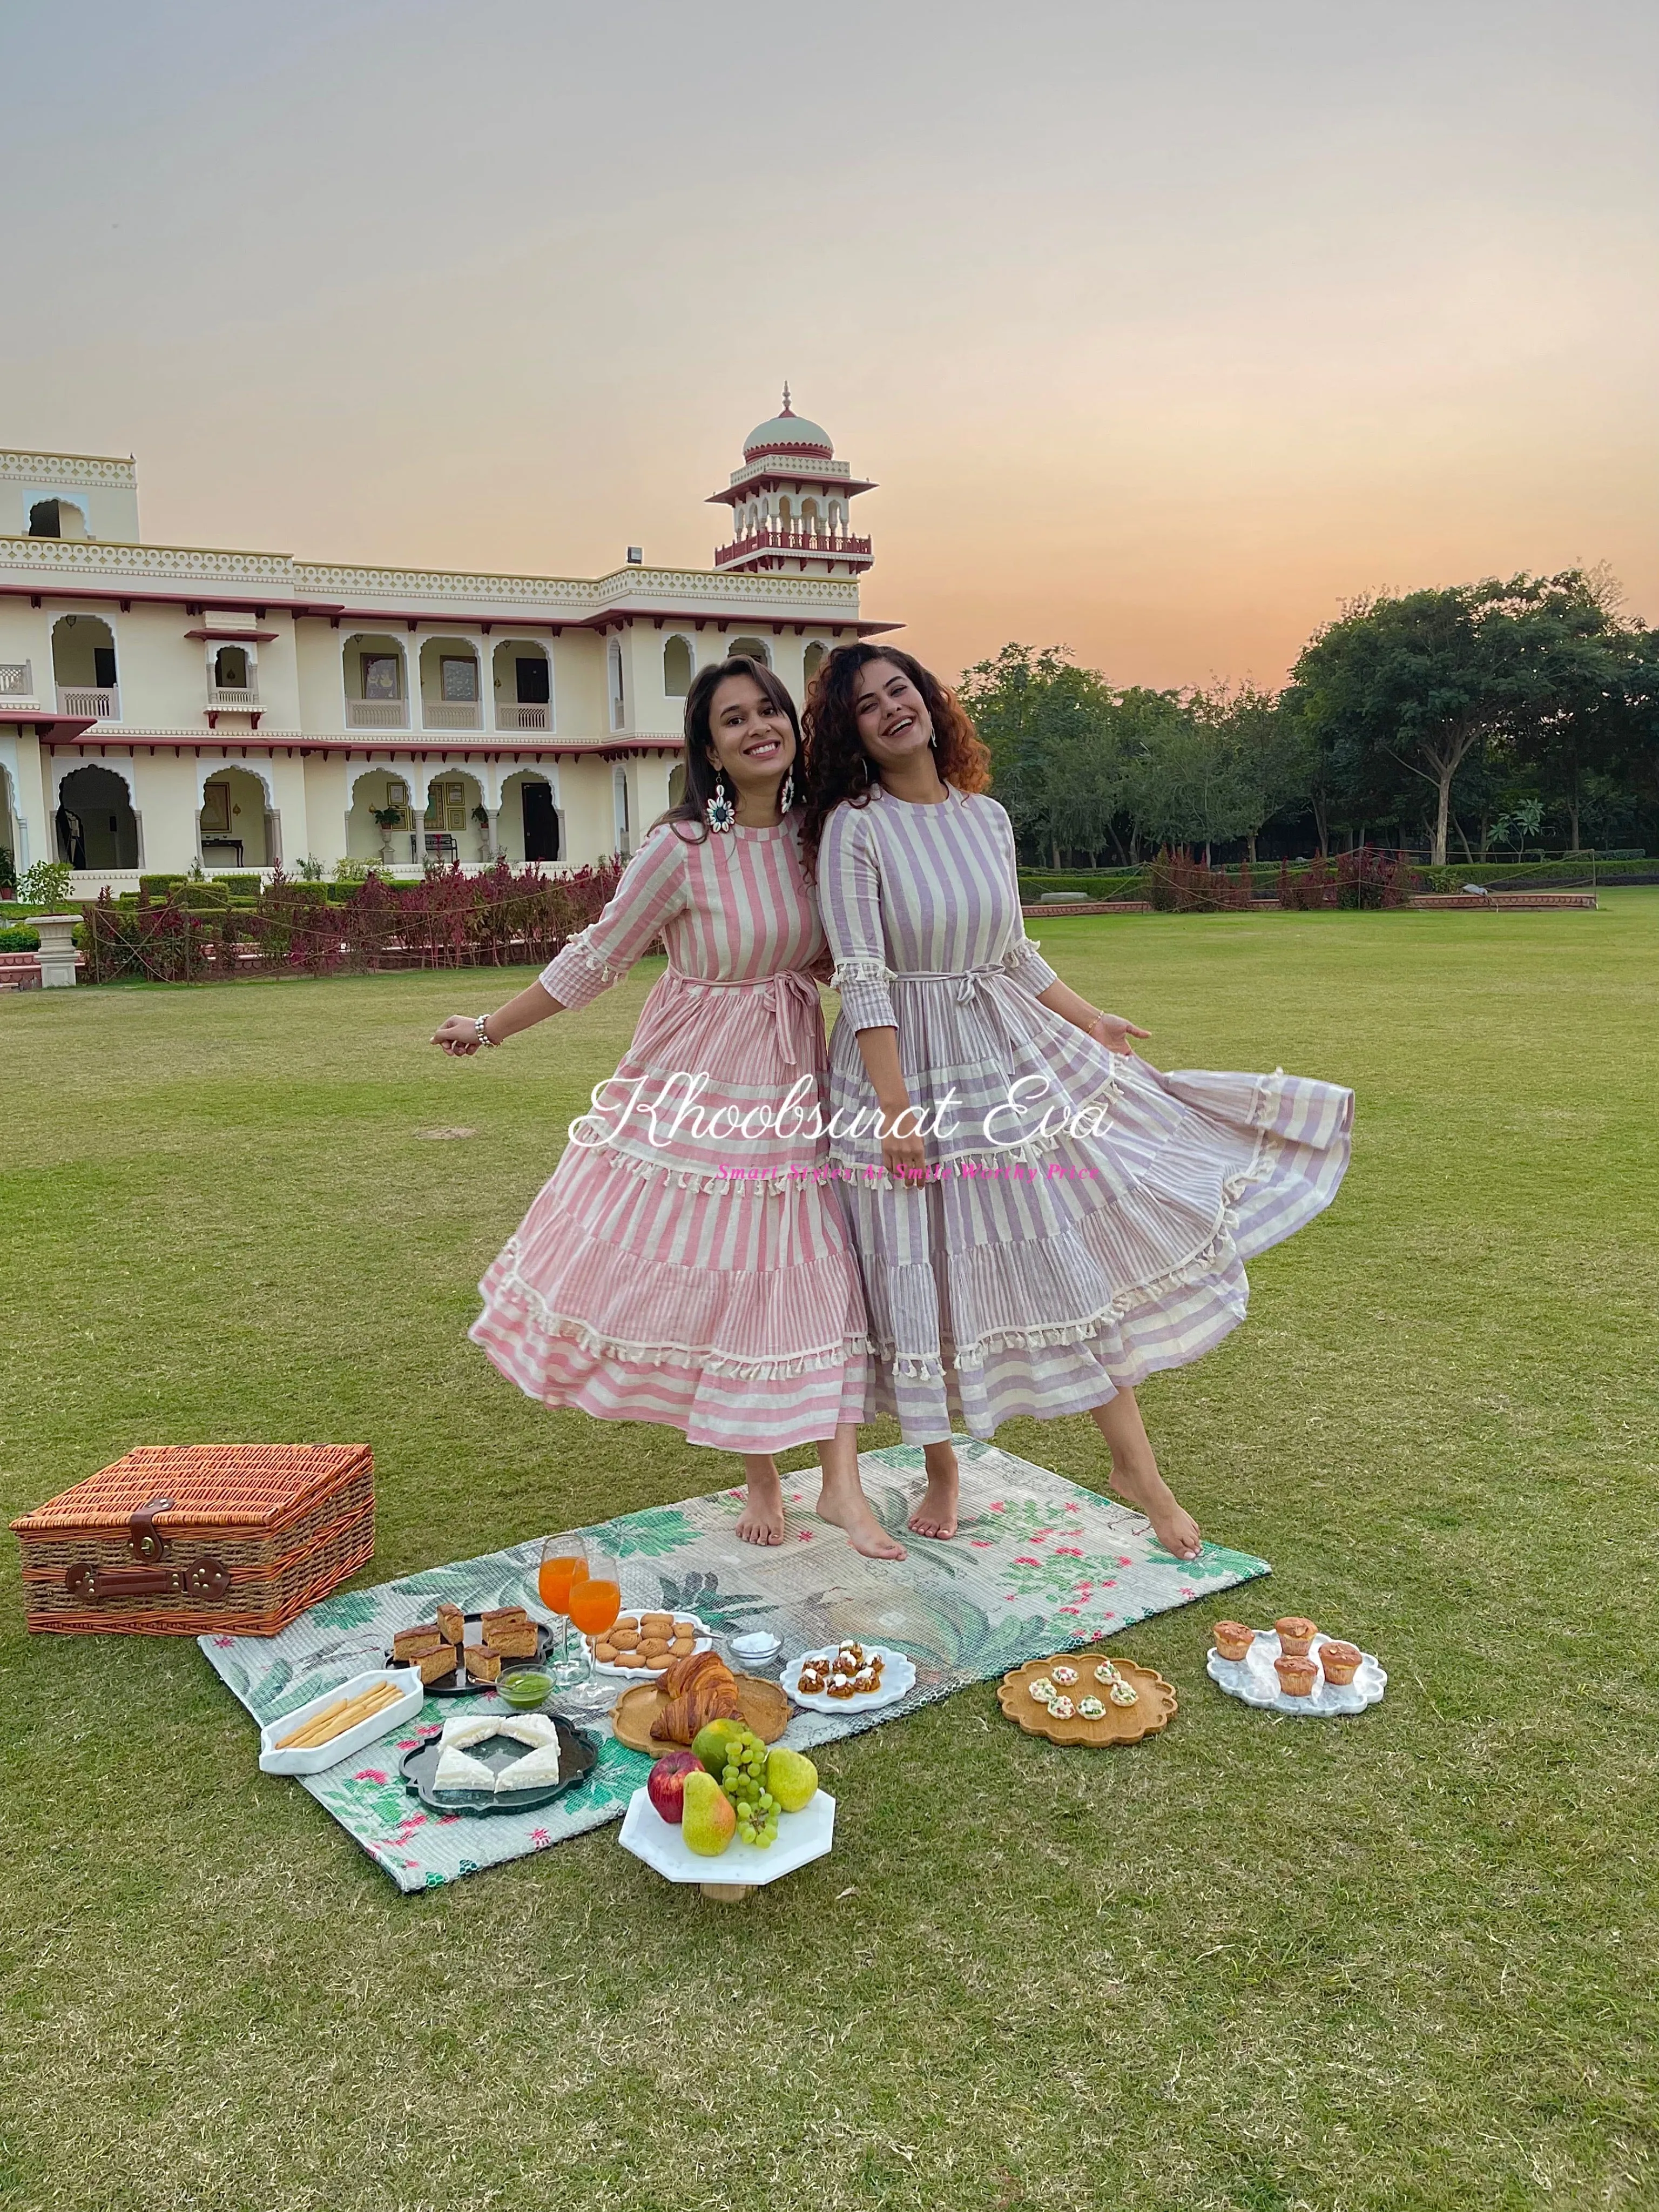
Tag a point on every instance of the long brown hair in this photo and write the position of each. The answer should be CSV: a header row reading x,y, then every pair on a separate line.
x,y
700,769
836,765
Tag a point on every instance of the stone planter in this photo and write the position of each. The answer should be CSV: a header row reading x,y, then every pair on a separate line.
x,y
57,957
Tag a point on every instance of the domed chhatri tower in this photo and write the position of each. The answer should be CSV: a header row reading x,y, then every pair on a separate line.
x,y
789,503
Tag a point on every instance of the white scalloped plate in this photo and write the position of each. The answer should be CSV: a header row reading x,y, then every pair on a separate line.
x,y
898,1679
1252,1678
703,1642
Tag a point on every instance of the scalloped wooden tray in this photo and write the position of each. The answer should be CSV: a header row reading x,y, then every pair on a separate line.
x,y
1121,1724
764,1707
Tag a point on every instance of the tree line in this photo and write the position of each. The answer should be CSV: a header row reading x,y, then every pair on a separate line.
x,y
1493,713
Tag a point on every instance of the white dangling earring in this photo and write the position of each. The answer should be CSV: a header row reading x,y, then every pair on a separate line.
x,y
719,809
786,792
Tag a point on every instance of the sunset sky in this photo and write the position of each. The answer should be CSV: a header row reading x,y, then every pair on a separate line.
x,y
1163,328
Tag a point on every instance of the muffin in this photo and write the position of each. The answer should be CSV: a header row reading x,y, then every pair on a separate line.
x,y
1340,1661
1232,1639
1297,1677
1295,1635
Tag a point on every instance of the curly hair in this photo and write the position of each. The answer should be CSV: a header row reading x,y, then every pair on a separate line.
x,y
837,766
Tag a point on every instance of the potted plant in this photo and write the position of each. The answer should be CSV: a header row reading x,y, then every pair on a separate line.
x,y
386,819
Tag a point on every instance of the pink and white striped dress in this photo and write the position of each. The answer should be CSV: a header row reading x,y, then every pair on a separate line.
x,y
1043,1269
692,1273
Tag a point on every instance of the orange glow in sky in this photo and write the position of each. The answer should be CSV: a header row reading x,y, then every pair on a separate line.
x,y
1164,330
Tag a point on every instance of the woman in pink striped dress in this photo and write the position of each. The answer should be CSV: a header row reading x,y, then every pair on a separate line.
x,y
1078,1220
687,1261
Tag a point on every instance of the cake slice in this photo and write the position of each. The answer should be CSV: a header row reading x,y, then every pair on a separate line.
x,y
481,1666
452,1622
512,1639
416,1642
437,1666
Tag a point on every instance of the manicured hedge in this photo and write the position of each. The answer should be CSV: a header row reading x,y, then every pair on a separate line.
x,y
20,941
1539,875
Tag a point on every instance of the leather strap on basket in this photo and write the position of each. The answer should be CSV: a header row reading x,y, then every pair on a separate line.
x,y
206,1578
144,1540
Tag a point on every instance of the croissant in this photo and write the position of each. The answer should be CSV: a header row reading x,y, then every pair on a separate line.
x,y
696,1690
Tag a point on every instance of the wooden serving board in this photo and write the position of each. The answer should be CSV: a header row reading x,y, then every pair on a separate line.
x,y
762,1706
1121,1724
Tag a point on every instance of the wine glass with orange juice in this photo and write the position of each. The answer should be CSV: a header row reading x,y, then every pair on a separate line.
x,y
563,1564
595,1599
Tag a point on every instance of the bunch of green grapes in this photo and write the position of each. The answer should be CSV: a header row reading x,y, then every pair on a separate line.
x,y
745,1784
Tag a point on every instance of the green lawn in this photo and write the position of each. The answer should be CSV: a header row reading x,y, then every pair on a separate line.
x,y
1405,1961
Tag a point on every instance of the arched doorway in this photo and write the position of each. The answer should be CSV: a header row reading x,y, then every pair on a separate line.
x,y
812,659
83,667
96,826
237,830
749,649
384,843
529,822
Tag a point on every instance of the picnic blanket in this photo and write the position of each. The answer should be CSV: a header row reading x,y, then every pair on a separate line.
x,y
1039,1564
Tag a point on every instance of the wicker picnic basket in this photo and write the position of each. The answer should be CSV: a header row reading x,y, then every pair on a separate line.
x,y
176,1539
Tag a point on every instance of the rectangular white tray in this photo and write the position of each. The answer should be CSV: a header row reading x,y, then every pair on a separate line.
x,y
406,1679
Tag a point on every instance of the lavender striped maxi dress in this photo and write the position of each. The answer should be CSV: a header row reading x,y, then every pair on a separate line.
x,y
703,1281
1038,1273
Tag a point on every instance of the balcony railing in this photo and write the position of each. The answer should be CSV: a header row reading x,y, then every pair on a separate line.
x,y
16,679
519,715
452,715
377,714
822,545
232,698
102,702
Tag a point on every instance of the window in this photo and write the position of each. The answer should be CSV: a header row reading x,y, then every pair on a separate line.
x,y
618,698
531,673
381,676
458,678
57,518
230,668
676,668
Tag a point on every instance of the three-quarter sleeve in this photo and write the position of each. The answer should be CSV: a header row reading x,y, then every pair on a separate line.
x,y
653,889
849,891
1022,962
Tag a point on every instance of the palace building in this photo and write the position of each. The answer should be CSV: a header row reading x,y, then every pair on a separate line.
x,y
164,707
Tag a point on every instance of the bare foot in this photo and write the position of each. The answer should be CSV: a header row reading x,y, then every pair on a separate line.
x,y
846,1505
1172,1524
936,1515
1135,1476
761,1520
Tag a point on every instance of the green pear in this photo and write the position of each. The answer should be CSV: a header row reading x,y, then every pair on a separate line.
x,y
792,1779
708,1822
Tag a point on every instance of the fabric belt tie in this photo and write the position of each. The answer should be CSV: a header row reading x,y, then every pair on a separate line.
x,y
787,995
967,981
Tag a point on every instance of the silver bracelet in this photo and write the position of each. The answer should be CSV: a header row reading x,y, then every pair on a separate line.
x,y
485,1036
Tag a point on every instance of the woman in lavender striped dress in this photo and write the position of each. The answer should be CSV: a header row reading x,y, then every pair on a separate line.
x,y
1042,1220
679,1266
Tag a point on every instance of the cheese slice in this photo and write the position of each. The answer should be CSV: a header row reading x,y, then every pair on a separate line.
x,y
458,1770
460,1734
530,1772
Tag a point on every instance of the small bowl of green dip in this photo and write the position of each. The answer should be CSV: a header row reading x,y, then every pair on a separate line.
x,y
526,1690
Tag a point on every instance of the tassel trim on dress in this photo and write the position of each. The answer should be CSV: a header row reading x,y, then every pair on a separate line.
x,y
568,1328
967,1358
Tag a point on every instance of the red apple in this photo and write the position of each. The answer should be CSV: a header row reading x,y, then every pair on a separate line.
x,y
666,1783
